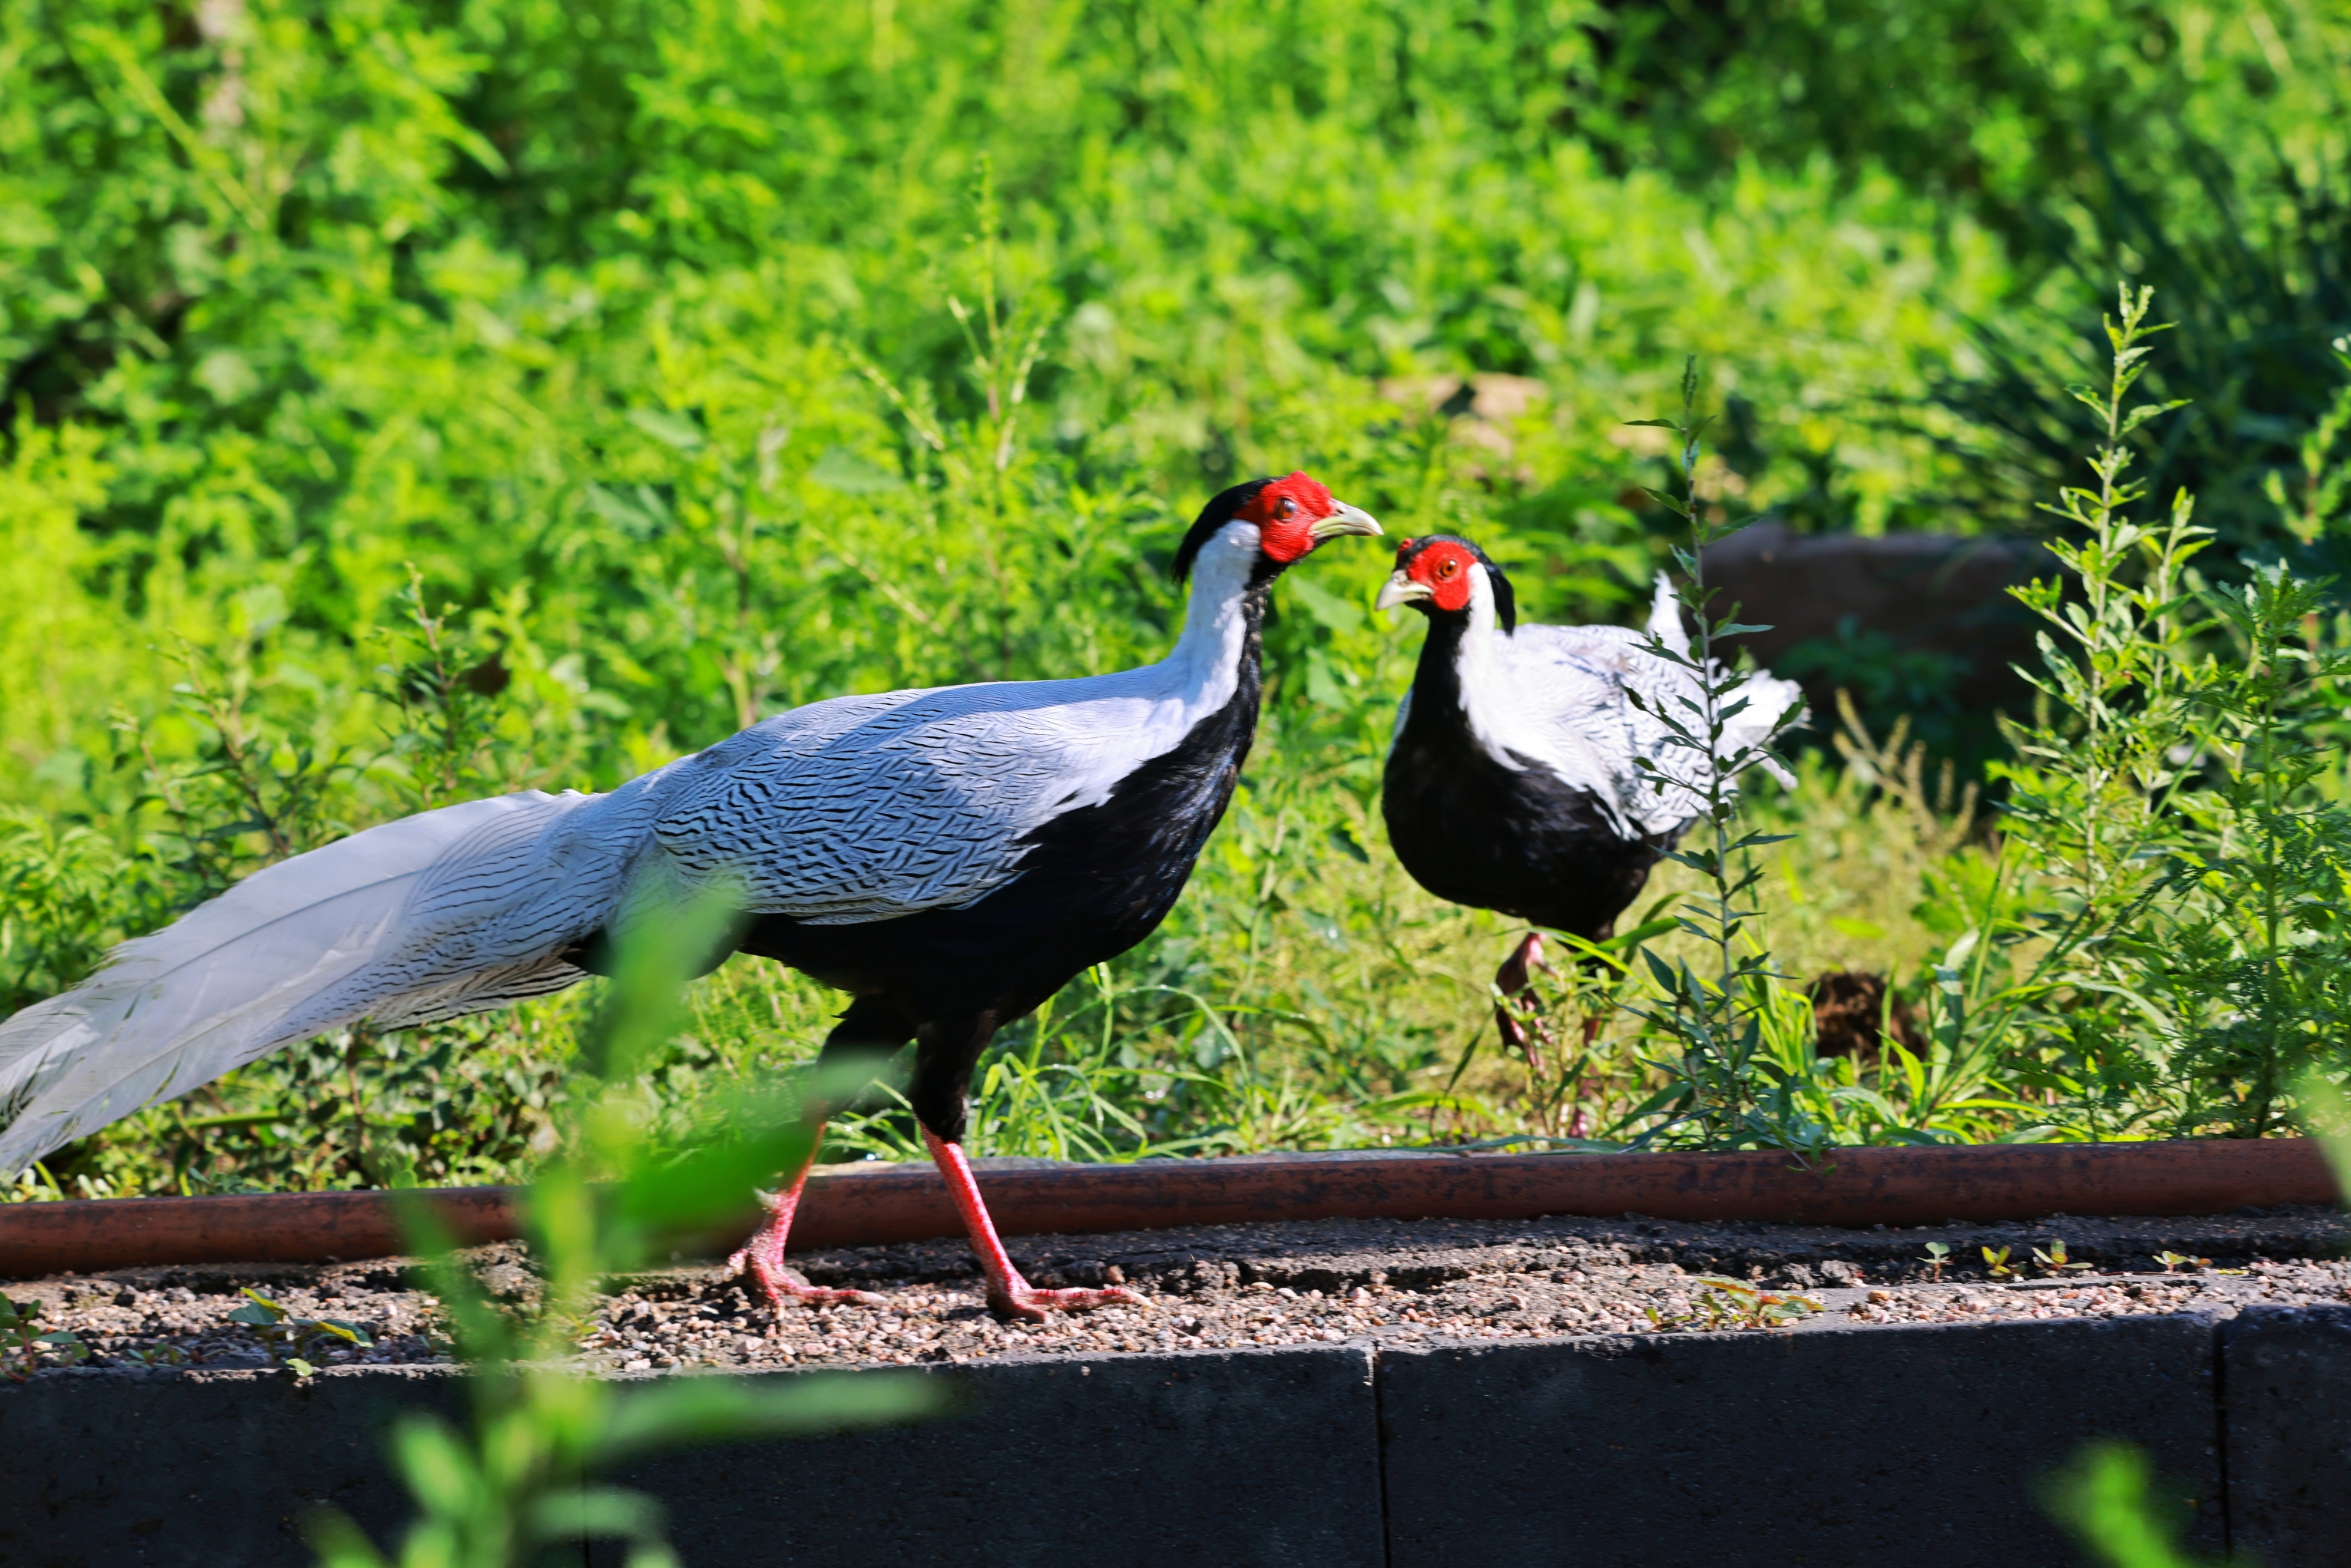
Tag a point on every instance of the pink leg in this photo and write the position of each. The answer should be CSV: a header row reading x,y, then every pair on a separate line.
x,y
763,1256
1511,980
1011,1295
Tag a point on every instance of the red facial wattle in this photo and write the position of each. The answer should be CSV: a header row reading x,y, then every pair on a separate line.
x,y
1444,570
1285,513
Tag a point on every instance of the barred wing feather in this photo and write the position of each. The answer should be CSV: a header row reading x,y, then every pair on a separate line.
x,y
927,801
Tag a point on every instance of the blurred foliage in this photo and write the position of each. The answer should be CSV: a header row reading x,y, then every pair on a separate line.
x,y
411,400
1996,106
2253,259
2110,1499
526,1479
571,309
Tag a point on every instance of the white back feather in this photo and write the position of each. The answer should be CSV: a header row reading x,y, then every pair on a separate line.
x,y
1555,695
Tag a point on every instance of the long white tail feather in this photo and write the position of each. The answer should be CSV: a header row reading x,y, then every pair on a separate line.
x,y
1773,704
436,916
1666,617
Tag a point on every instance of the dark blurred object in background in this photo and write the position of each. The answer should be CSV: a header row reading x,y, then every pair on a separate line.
x,y
1850,1014
1916,624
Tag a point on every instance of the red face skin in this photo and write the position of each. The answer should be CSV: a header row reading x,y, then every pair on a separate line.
x,y
1285,513
1444,569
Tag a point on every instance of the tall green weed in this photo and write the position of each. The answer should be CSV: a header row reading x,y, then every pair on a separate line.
x,y
2166,902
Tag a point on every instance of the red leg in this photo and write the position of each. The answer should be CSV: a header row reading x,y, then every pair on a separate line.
x,y
1511,980
762,1257
1011,1295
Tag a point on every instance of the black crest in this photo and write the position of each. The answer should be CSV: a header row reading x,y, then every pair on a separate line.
x,y
1222,507
1506,602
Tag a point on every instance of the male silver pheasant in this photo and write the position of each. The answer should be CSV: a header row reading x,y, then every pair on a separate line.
x,y
950,857
1515,782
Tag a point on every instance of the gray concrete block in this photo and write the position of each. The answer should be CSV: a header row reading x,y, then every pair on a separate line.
x,y
2285,1402
115,1469
1231,1458
1916,1445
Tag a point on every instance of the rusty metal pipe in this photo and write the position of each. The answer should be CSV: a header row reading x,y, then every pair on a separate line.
x,y
1857,1186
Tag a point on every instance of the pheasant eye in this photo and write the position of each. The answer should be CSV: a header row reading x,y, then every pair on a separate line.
x,y
1448,566
1285,509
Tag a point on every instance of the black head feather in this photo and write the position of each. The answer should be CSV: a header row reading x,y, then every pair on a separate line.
x,y
1506,602
1222,507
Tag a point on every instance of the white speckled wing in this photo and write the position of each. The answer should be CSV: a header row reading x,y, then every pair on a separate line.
x,y
1570,682
867,808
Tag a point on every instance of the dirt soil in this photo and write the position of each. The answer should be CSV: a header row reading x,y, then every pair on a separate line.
x,y
1385,1282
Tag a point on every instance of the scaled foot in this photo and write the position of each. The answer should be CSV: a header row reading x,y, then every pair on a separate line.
x,y
781,1285
762,1261
1022,1300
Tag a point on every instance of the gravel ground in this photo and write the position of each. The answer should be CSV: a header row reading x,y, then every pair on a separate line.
x,y
1215,1286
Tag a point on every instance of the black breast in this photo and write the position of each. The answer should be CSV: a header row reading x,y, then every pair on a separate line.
x,y
1093,883
1521,840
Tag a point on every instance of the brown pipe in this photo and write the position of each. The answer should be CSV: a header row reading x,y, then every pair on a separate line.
x,y
1856,1186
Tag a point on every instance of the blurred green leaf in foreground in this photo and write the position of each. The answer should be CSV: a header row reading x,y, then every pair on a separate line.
x,y
523,1476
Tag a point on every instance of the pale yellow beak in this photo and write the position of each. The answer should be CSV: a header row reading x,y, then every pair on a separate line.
x,y
1401,590
1347,519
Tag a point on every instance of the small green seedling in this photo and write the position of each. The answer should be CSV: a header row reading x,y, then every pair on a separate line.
x,y
288,1339
2053,1262
22,1345
1937,1254
1998,1263
16,1337
1727,1304
2171,1260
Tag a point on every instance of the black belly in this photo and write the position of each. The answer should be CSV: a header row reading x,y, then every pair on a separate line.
x,y
1522,842
1000,956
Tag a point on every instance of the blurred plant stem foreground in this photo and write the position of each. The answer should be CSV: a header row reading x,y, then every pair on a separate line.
x,y
411,403
526,1477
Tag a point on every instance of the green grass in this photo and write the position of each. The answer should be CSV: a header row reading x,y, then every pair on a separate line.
x,y
408,401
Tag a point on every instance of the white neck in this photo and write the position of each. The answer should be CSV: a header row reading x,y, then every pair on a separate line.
x,y
1205,664
1476,664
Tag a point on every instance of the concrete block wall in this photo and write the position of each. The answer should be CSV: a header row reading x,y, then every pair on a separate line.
x,y
1262,1458
2285,1416
1921,1445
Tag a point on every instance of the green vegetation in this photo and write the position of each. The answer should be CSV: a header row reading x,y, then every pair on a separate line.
x,y
524,1477
407,402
